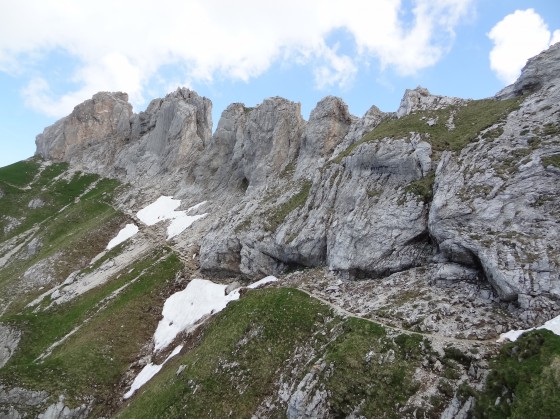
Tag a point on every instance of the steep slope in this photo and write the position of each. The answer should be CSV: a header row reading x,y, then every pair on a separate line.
x,y
444,212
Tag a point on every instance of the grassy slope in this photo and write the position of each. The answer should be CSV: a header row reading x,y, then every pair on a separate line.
x,y
469,121
75,222
525,379
247,348
92,361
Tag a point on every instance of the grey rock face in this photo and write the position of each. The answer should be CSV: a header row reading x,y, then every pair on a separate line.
x,y
103,136
9,340
22,397
540,72
34,246
272,139
60,411
308,400
170,133
421,99
36,203
359,127
377,227
358,219
251,146
496,203
328,124
11,224
287,199
91,135
457,409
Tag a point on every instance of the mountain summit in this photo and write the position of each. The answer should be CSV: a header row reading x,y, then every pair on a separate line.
x,y
396,248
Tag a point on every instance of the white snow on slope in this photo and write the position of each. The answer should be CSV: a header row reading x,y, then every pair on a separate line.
x,y
181,223
160,210
148,372
185,308
553,325
264,281
164,209
126,233
181,311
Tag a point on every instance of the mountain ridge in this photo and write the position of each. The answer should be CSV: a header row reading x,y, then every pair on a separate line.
x,y
424,234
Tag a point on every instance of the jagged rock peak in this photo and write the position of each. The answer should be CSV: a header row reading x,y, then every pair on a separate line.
x,y
540,71
421,99
105,116
103,136
328,124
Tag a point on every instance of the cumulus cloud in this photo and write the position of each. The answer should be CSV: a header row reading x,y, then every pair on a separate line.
x,y
124,45
518,37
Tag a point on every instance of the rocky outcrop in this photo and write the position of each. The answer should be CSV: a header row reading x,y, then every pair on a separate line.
x,y
92,135
328,124
539,72
291,193
496,204
9,340
103,136
420,99
171,132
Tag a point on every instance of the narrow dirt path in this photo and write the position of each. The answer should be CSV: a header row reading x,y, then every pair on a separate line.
x,y
434,337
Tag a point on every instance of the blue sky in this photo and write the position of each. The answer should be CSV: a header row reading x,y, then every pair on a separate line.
x,y
56,53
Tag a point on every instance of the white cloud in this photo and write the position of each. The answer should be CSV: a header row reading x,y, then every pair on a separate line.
x,y
337,70
555,37
518,37
122,45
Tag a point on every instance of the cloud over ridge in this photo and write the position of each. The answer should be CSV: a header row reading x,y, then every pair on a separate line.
x,y
518,37
122,45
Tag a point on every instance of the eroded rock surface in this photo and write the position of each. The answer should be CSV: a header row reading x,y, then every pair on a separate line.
x,y
288,193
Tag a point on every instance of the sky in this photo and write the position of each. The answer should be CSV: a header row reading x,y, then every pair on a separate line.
x,y
54,54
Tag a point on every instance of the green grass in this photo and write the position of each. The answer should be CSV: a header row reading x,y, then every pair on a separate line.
x,y
20,173
237,360
235,365
73,224
550,129
423,187
92,361
524,380
553,160
278,215
469,121
378,385
57,195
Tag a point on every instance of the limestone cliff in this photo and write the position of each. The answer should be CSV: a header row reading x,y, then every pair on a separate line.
x,y
448,184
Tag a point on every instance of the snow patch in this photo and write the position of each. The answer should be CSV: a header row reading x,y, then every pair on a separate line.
x,y
184,308
148,372
160,210
126,233
553,325
164,208
181,223
264,281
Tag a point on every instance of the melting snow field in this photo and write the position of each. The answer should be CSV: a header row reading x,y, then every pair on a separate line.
x,y
553,325
148,372
164,209
160,210
264,281
126,233
183,310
